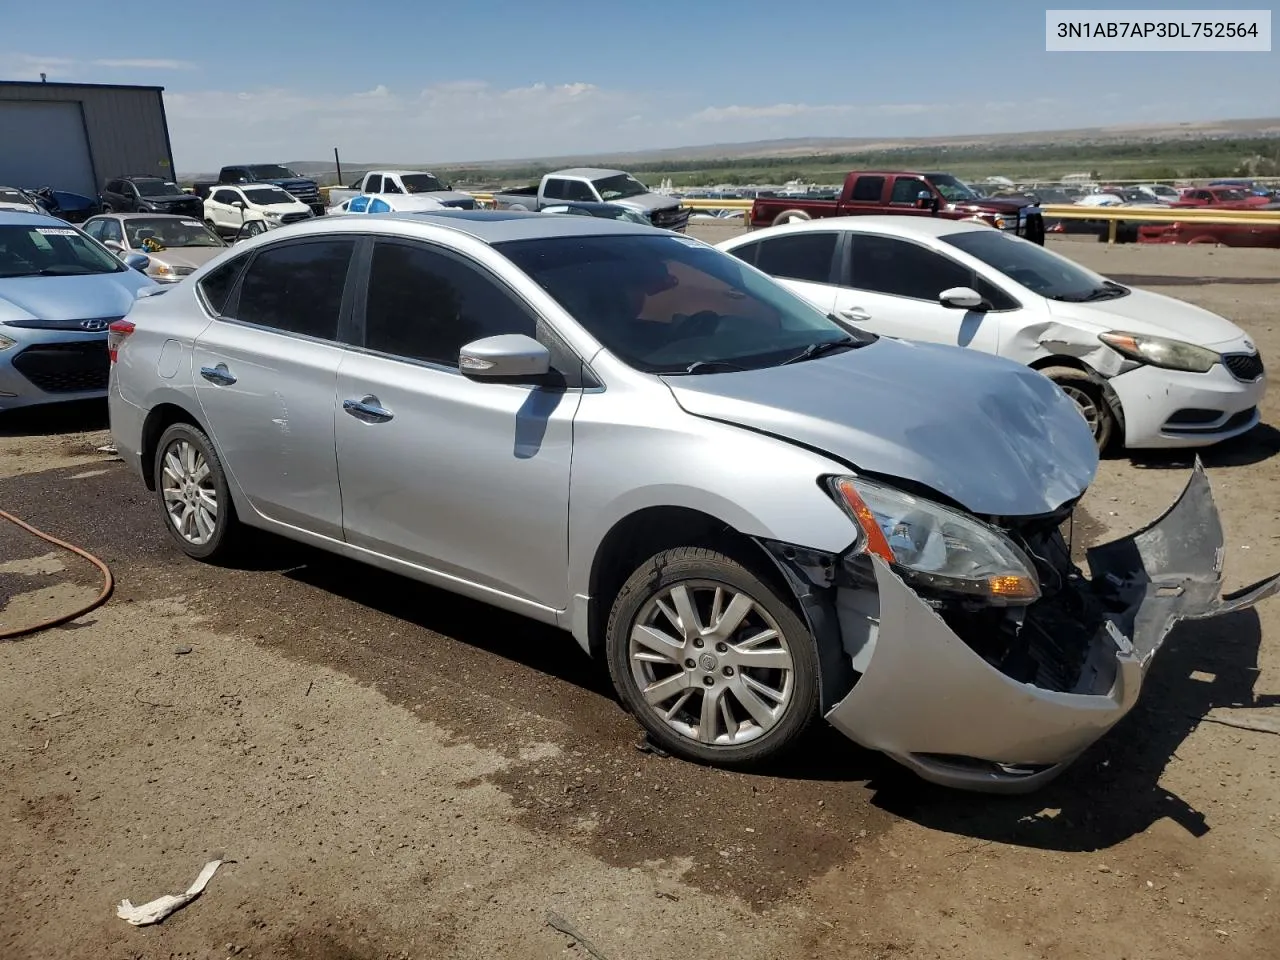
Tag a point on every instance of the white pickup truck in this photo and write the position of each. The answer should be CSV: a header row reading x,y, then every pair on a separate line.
x,y
594,185
403,184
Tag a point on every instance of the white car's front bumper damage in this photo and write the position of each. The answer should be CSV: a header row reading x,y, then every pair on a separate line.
x,y
928,699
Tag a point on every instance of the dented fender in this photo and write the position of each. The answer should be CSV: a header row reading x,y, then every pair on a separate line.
x,y
931,702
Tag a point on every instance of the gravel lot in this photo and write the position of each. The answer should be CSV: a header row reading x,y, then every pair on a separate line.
x,y
400,773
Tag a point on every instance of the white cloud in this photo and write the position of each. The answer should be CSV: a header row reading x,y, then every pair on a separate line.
x,y
26,66
145,64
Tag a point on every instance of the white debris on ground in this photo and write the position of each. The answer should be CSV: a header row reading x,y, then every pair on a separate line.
x,y
161,907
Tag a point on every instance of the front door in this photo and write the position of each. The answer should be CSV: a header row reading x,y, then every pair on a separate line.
x,y
464,478
265,377
891,287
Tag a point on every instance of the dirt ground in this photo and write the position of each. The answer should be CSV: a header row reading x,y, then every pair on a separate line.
x,y
398,773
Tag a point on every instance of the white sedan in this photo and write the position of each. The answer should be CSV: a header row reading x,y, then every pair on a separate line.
x,y
1156,371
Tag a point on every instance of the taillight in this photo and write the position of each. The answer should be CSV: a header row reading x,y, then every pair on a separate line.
x,y
116,334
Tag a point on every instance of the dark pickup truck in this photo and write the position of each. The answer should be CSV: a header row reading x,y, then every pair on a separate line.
x,y
902,193
301,188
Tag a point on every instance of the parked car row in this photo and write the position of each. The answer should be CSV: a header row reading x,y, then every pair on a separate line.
x,y
773,514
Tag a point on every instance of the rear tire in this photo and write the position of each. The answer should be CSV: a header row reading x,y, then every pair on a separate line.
x,y
733,698
1089,400
191,488
790,216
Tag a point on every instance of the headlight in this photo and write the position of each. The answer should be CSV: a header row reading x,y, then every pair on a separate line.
x,y
1161,352
935,546
162,269
6,342
271,215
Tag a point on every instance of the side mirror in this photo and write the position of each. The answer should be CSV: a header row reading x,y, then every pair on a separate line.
x,y
137,261
238,203
509,357
962,298
924,200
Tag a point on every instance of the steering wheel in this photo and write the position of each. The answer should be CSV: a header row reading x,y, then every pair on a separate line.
x,y
700,324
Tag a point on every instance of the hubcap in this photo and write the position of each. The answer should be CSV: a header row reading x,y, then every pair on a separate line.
x,y
190,497
1085,404
731,696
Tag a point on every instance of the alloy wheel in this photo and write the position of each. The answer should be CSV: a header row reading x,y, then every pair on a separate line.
x,y
711,663
1086,404
190,496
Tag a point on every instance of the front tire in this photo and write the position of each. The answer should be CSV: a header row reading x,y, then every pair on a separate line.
x,y
1089,400
711,660
191,488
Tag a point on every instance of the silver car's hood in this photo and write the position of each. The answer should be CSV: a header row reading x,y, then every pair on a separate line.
x,y
645,202
184,256
991,434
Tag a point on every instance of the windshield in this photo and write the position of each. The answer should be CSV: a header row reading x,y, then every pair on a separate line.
x,y
1160,190
1039,270
157,188
951,188
268,196
421,183
271,171
1230,195
666,304
619,187
169,232
39,251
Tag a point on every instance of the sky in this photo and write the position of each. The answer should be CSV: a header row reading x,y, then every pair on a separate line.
x,y
410,82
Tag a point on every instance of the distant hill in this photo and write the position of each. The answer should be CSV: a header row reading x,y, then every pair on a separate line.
x,y
810,146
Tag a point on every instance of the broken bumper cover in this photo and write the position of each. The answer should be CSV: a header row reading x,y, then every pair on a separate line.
x,y
930,702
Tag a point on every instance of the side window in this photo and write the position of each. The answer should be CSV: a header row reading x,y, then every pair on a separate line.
x,y
998,299
907,189
94,228
867,190
747,252
378,205
389,185
902,269
426,305
359,204
577,190
373,184
223,196
216,286
297,287
556,189
111,231
113,186
800,256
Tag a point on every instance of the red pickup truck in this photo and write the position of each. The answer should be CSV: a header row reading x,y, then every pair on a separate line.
x,y
892,192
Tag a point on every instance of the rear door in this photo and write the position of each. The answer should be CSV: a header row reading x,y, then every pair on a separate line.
x,y
464,478
891,286
265,372
806,261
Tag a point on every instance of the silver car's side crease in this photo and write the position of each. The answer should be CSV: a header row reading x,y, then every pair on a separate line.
x,y
932,703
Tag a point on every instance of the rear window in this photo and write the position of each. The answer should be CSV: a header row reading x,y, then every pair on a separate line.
x,y
868,189
216,285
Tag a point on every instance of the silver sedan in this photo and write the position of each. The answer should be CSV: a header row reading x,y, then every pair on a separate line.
x,y
754,516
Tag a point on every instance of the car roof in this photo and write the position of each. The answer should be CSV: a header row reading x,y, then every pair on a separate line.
x,y
487,226
903,226
21,218
589,173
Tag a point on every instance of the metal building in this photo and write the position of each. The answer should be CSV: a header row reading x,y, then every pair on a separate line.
x,y
75,136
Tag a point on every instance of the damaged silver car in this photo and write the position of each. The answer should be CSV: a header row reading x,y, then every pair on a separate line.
x,y
755,516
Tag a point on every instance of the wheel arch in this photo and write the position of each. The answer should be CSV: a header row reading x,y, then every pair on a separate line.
x,y
159,419
1104,383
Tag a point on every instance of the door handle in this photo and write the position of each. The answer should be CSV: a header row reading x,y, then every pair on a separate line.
x,y
219,375
853,314
368,409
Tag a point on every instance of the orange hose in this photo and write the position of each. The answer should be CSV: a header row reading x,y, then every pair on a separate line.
x,y
108,584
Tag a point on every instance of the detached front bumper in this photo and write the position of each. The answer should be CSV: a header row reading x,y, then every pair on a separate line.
x,y
927,699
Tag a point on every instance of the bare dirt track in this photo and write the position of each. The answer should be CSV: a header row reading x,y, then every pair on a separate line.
x,y
401,773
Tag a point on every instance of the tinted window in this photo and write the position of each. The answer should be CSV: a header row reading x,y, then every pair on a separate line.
x,y
225,196
94,228
663,304
747,252
556,189
297,287
906,190
373,184
577,190
113,186
889,265
216,286
1039,270
868,189
426,305
801,256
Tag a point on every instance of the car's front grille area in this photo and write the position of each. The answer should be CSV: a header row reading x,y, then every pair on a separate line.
x,y
91,325
308,195
295,217
670,218
65,367
1243,366
193,207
